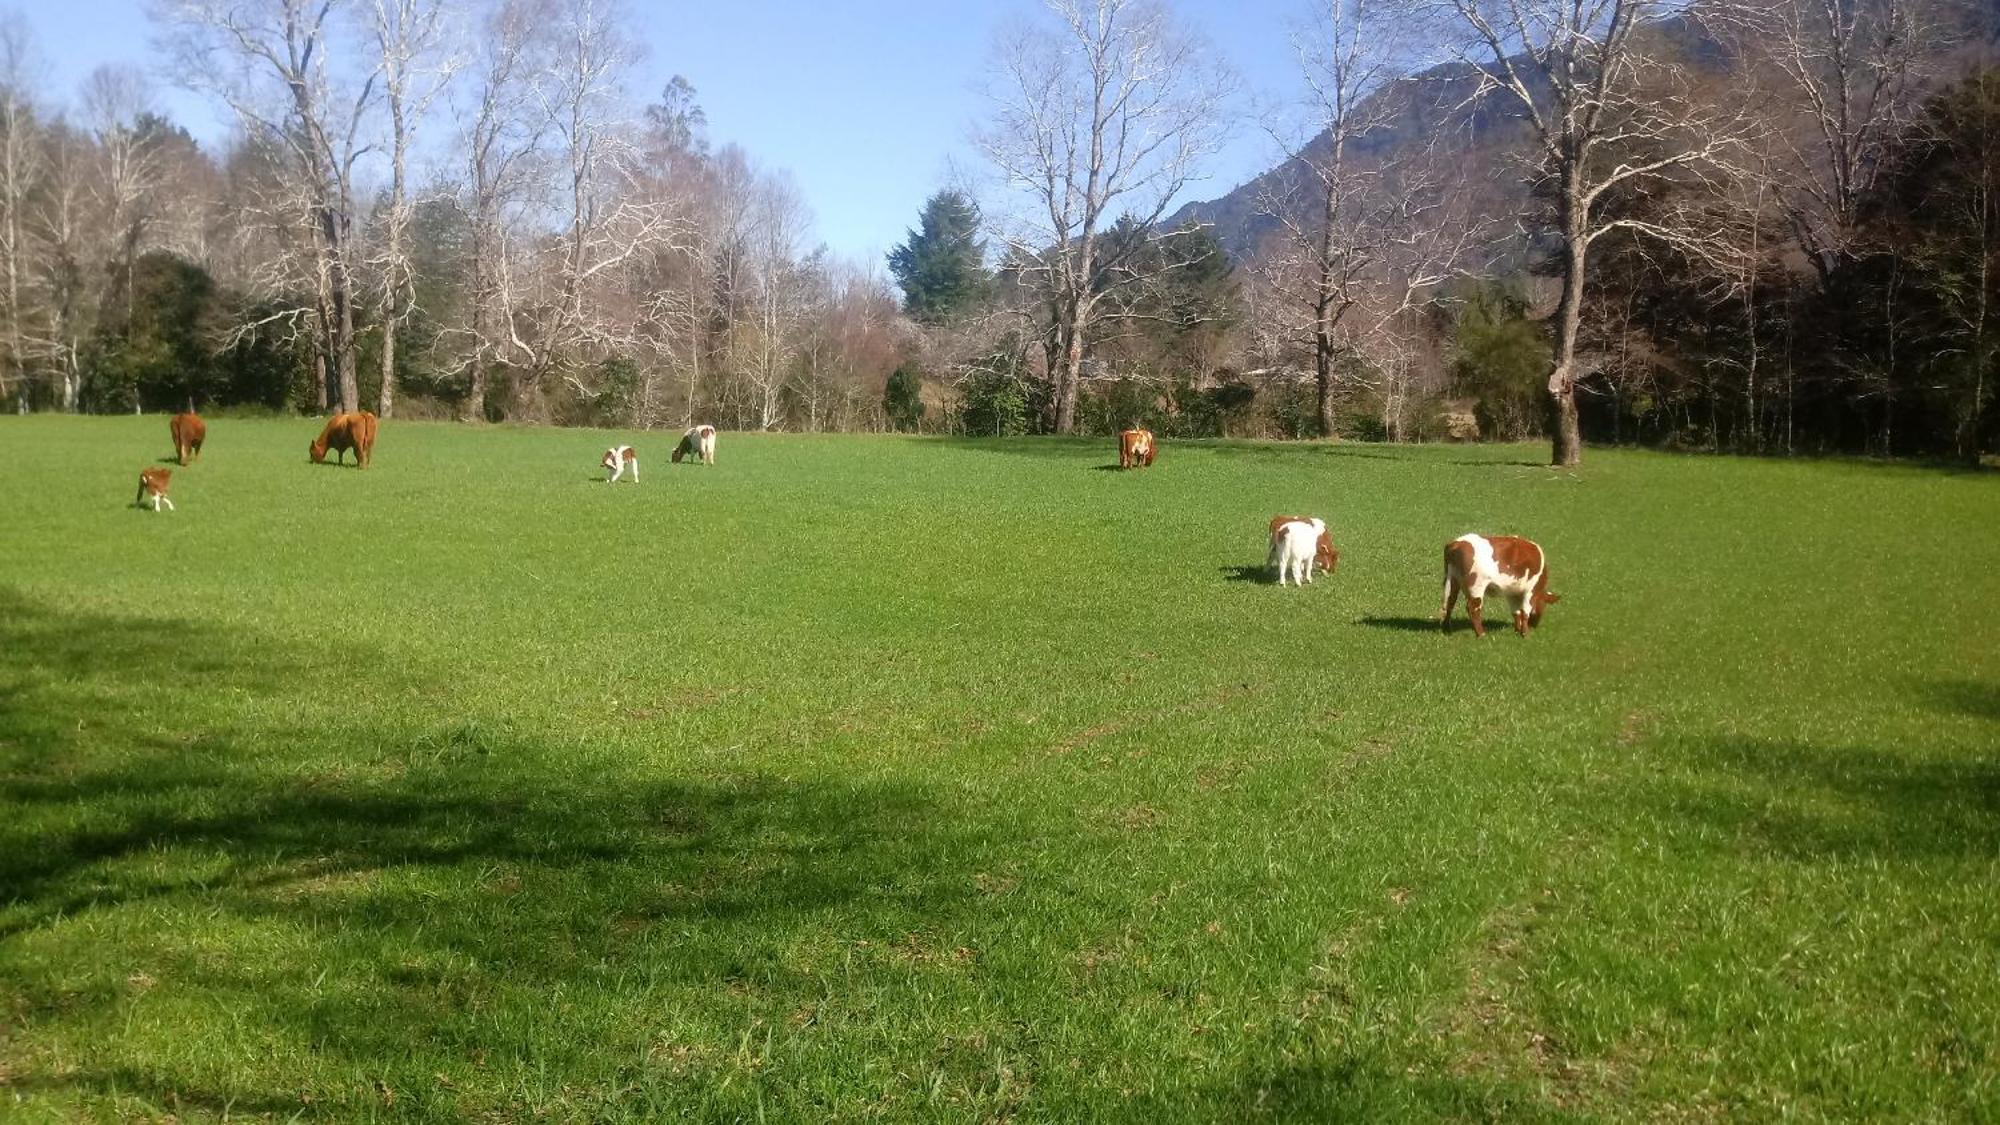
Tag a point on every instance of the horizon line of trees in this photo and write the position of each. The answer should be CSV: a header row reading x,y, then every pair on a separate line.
x,y
1750,225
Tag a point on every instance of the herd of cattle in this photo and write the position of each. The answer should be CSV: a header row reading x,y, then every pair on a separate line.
x,y
1473,564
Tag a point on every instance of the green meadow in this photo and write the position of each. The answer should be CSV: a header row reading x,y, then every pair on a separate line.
x,y
915,779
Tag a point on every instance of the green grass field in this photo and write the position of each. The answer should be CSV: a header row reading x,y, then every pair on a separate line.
x,y
870,777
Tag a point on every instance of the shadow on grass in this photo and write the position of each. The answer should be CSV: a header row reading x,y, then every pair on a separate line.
x,y
358,891
1405,624
1808,801
1964,697
1261,575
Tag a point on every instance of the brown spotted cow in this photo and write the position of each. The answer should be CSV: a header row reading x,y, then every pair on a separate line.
x,y
1507,563
153,486
343,432
189,432
1135,448
1297,550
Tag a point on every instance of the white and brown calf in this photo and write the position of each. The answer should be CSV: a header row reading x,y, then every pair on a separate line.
x,y
1298,543
153,486
617,459
698,442
1508,563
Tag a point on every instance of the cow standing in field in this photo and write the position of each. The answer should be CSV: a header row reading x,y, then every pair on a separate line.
x,y
153,486
698,442
1508,563
189,432
343,432
1298,544
1135,447
619,458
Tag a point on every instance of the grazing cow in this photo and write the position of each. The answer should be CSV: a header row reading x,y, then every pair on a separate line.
x,y
1298,543
343,432
1136,447
189,432
153,486
1507,563
619,458
698,442
1318,551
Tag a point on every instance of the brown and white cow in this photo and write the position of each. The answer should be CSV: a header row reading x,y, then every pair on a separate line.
x,y
1298,549
1136,447
1507,563
355,430
619,458
153,486
189,432
698,442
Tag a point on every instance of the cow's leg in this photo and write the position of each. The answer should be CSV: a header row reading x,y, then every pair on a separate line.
x,y
1474,608
1520,614
1450,600
635,470
167,502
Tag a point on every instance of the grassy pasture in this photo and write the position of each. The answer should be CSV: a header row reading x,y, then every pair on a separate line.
x,y
899,778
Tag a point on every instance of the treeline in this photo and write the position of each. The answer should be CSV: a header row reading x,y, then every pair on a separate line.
x,y
425,212
1756,225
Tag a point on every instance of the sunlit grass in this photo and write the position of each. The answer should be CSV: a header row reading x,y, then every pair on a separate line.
x,y
890,777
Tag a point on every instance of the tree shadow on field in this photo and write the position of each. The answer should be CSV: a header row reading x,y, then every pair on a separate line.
x,y
1965,697
281,850
1810,801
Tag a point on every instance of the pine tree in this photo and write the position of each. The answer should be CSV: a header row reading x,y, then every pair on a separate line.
x,y
941,267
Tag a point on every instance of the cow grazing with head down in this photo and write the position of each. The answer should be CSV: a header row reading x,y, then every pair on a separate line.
x,y
355,430
1298,544
153,486
1136,447
619,458
189,432
1507,563
698,442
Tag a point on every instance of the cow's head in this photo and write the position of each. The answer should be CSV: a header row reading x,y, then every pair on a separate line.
x,y
1540,598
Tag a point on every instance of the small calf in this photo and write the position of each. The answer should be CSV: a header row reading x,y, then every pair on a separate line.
x,y
153,486
1507,563
189,431
1135,447
1298,544
619,458
698,442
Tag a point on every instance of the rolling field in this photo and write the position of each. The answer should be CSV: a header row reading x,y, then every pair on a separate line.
x,y
876,777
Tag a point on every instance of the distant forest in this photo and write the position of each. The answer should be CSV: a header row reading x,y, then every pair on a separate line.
x,y
1738,225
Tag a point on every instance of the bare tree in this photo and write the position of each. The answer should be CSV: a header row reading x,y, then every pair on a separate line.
x,y
1612,110
21,168
1109,113
503,140
116,99
1837,84
412,40
270,63
1366,226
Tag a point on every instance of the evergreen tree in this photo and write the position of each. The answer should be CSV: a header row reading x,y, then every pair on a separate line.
x,y
902,399
941,267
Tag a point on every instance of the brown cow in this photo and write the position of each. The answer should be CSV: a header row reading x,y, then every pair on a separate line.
x,y
1325,555
153,486
1508,563
189,431
343,432
1135,447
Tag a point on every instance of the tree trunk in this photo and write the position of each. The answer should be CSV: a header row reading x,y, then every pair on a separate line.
x,y
1565,438
1072,373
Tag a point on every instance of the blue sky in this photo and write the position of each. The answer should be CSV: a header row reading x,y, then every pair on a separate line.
x,y
866,102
